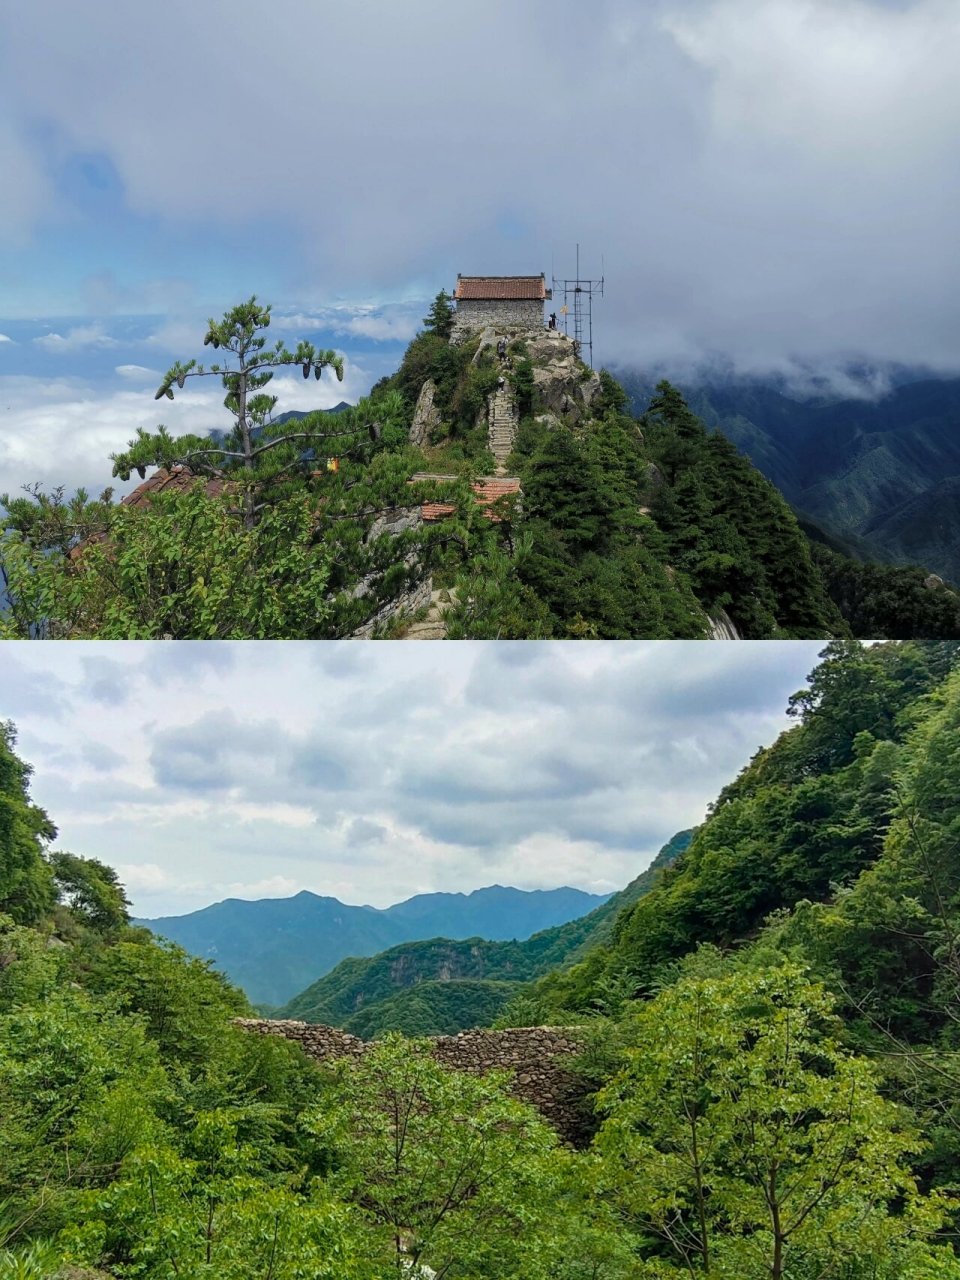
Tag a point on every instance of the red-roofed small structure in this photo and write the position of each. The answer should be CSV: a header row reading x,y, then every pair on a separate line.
x,y
488,490
505,302
177,480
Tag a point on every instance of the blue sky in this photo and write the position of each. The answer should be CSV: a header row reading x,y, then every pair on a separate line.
x,y
374,772
767,183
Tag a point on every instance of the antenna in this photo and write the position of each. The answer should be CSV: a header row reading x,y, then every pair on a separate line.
x,y
581,293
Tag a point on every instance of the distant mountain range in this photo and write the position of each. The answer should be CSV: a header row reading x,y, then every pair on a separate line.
x,y
880,478
275,947
441,986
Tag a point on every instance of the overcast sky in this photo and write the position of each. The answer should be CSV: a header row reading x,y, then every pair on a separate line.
x,y
768,183
374,772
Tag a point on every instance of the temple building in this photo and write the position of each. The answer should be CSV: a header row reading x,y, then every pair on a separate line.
x,y
505,302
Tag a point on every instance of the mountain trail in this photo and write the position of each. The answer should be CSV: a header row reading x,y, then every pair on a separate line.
x,y
433,627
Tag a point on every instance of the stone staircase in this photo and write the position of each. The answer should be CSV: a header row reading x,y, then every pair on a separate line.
x,y
433,627
502,417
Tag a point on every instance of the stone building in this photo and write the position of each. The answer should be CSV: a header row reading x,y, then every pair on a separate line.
x,y
505,302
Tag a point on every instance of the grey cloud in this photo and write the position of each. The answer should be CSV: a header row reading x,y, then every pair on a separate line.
x,y
338,657
591,751
215,753
361,831
101,757
763,178
25,691
180,661
107,682
318,768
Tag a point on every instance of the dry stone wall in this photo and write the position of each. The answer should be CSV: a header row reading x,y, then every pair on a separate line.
x,y
475,313
537,1058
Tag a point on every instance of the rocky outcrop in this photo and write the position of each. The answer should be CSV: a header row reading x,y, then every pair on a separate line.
x,y
722,626
433,626
405,605
566,387
417,596
426,415
538,1059
488,338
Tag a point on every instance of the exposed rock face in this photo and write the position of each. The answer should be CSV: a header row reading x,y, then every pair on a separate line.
x,y
722,626
416,597
566,386
408,602
488,338
426,416
536,1056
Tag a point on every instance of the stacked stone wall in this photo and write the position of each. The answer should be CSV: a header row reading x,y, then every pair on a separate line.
x,y
501,313
536,1057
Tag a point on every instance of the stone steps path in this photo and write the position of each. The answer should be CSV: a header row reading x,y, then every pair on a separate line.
x,y
503,420
432,627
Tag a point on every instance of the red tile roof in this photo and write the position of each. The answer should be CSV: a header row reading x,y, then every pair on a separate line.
x,y
511,288
488,491
178,479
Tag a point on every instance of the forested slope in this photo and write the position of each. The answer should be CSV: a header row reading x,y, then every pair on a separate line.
x,y
806,819
880,473
310,527
771,1048
441,986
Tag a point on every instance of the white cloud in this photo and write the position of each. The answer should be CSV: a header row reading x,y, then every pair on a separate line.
x,y
77,339
4,338
136,373
423,769
382,328
270,887
391,323
61,431
139,877
766,178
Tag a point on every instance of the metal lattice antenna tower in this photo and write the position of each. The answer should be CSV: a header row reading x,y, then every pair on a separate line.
x,y
579,293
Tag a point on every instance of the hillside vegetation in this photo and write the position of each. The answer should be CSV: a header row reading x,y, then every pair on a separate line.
x,y
880,475
441,986
273,947
285,526
771,1047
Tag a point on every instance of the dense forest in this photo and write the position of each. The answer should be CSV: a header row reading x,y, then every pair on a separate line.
x,y
770,1048
309,527
441,986
879,472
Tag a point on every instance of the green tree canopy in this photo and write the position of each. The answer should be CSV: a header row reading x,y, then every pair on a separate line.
x,y
743,1140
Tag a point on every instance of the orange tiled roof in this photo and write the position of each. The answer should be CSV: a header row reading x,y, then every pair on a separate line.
x,y
511,288
179,478
487,491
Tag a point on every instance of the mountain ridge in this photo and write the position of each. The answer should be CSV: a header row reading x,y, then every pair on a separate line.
x,y
873,473
274,947
408,987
